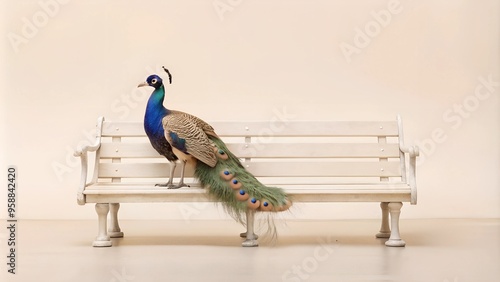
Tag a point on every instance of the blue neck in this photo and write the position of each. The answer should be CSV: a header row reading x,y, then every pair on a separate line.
x,y
155,112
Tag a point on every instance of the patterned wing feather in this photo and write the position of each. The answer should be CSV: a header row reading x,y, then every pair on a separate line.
x,y
189,136
207,128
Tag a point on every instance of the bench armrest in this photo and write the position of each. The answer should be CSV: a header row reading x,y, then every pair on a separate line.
x,y
89,148
413,152
83,154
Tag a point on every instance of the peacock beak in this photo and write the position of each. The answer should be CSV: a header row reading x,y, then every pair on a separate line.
x,y
143,84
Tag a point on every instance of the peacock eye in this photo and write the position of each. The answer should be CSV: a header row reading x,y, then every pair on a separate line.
x,y
153,81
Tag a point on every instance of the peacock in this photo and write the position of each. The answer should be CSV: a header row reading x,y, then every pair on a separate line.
x,y
154,130
194,142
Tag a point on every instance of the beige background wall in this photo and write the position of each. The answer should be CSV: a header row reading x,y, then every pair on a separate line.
x,y
64,63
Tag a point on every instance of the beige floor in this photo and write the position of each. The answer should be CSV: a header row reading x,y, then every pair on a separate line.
x,y
437,250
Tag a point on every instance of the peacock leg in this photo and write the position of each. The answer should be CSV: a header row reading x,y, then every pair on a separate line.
x,y
170,183
181,182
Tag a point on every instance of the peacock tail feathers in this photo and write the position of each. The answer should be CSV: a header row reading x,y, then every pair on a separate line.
x,y
238,190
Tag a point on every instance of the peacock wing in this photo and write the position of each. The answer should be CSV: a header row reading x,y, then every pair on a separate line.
x,y
183,133
207,128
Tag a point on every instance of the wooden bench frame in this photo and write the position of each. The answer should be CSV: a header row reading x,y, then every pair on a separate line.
x,y
365,168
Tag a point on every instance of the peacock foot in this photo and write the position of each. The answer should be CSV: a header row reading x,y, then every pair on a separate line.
x,y
171,185
168,185
180,185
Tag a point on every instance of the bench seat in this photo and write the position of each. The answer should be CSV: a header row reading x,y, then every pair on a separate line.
x,y
138,193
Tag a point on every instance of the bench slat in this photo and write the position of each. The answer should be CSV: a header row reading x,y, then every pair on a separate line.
x,y
307,128
296,128
315,150
319,169
269,150
122,129
262,169
128,150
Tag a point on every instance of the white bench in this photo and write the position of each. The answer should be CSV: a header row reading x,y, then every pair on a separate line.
x,y
326,161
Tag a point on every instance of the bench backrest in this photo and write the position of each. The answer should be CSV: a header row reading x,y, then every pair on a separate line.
x,y
292,152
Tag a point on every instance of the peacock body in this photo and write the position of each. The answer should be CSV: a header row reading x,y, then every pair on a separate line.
x,y
194,142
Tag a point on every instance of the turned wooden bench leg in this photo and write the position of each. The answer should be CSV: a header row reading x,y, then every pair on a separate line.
x,y
102,239
395,239
244,235
114,230
385,230
251,238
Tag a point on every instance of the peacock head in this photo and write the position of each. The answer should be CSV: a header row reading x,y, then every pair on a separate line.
x,y
156,81
152,80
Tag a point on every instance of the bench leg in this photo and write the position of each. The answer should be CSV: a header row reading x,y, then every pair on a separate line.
x,y
395,239
102,239
244,235
385,230
114,231
251,238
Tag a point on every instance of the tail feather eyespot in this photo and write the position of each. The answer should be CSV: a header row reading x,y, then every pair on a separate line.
x,y
285,206
235,184
221,154
226,174
253,203
242,195
265,205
